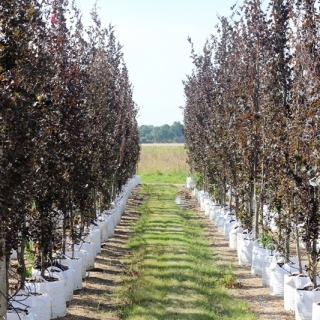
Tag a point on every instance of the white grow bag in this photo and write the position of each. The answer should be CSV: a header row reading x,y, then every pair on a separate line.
x,y
103,226
316,310
245,245
268,259
304,301
228,226
291,282
220,223
213,211
66,276
110,226
55,290
233,236
258,255
19,315
277,273
76,265
207,204
39,305
89,248
94,237
82,254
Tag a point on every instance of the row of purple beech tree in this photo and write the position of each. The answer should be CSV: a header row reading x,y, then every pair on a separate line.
x,y
68,129
252,119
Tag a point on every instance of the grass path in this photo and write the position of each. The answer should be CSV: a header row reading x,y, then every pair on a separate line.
x,y
172,270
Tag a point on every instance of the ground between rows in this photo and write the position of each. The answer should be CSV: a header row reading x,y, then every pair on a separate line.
x,y
102,296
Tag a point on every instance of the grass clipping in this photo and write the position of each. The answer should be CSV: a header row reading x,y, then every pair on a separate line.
x,y
172,273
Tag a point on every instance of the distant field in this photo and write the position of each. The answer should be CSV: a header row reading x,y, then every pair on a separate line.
x,y
162,144
164,163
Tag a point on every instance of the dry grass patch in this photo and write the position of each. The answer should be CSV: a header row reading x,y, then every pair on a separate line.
x,y
163,163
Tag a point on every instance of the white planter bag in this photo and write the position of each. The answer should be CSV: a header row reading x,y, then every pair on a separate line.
x,y
316,311
277,274
217,213
217,217
266,269
103,227
228,226
290,283
213,210
19,315
55,290
89,248
94,238
258,255
111,226
207,206
66,276
304,302
245,246
82,254
289,292
76,265
38,305
233,237
220,223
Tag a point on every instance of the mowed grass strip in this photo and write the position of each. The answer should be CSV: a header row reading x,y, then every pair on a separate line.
x,y
172,270
163,164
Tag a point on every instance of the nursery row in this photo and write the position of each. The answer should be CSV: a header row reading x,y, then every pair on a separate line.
x,y
251,123
69,136
280,274
45,298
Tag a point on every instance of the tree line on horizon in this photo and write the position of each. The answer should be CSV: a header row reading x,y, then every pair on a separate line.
x,y
162,134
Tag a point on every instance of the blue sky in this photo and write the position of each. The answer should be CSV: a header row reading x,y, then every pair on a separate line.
x,y
154,37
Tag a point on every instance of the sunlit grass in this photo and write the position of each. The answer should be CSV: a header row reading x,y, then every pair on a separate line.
x,y
173,273
163,164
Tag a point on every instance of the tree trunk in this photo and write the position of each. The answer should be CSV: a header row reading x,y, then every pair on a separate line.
x,y
3,283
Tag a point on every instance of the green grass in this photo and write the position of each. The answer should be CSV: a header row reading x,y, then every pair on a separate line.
x,y
172,272
163,164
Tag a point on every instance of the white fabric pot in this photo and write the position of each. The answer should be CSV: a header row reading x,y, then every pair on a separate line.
x,y
316,311
233,237
94,237
219,213
228,226
110,226
220,223
82,254
245,246
89,248
19,315
289,292
38,305
207,204
66,276
277,273
213,211
76,265
55,290
266,269
258,255
304,300
103,227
